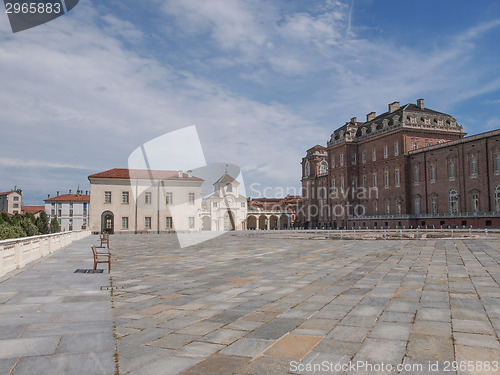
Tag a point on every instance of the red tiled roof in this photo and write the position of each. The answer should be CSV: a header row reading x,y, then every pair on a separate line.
x,y
32,209
69,198
146,174
9,192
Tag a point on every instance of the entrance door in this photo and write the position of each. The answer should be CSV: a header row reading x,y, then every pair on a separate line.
x,y
107,222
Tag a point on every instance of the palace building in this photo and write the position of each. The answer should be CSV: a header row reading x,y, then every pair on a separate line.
x,y
410,166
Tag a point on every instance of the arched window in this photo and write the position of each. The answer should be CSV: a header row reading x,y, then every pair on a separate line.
x,y
229,188
323,167
453,201
432,173
473,166
417,205
451,169
398,206
497,198
307,169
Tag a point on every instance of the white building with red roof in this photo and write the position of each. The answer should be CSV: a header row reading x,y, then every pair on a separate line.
x,y
138,201
71,210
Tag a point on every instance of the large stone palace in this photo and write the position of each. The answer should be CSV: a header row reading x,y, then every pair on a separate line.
x,y
410,166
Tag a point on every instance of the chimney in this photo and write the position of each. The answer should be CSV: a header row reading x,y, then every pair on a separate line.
x,y
370,116
190,174
86,192
58,193
353,120
70,191
393,107
179,174
420,103
48,196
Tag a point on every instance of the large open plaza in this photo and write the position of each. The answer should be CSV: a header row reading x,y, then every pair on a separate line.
x,y
255,305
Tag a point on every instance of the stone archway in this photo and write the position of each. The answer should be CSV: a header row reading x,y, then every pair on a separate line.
x,y
252,222
274,223
107,222
284,222
262,222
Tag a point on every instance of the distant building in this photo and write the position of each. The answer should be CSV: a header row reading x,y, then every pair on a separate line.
x,y
11,201
71,210
34,210
167,201
225,209
273,213
410,166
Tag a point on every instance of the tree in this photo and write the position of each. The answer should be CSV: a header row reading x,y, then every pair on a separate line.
x,y
28,225
8,231
54,225
42,223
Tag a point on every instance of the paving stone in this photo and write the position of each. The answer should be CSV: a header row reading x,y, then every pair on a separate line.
x,y
218,364
175,365
36,346
292,346
348,333
471,339
379,350
247,347
275,328
472,326
477,354
172,341
435,348
391,331
135,358
430,328
198,349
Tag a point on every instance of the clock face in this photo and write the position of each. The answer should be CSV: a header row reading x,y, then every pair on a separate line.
x,y
229,201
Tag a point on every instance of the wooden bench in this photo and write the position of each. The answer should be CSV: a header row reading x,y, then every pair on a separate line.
x,y
104,238
101,258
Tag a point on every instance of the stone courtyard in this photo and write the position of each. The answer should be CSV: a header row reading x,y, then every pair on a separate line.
x,y
251,305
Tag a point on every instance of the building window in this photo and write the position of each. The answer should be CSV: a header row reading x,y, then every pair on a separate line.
x,y
497,163
475,202
59,212
413,120
398,207
386,152
363,157
432,173
124,222
191,223
341,160
427,121
168,222
434,205
214,204
307,169
147,197
354,183
451,170
417,205
125,197
473,166
440,122
16,205
397,177
16,199
169,198
52,212
70,225
453,201
387,207
107,197
386,179
375,207
374,180
147,222
342,183
191,198
323,167
364,182
396,149
71,212
333,184
353,159
374,154
229,188
333,161
497,198
242,204
85,209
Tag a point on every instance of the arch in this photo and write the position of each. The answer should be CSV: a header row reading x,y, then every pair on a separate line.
x,y
107,222
284,222
262,222
273,222
206,223
252,222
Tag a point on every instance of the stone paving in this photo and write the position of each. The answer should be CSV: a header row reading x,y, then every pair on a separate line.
x,y
55,321
237,305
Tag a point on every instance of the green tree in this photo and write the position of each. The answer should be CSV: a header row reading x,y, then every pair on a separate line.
x,y
8,231
4,218
54,225
28,225
42,223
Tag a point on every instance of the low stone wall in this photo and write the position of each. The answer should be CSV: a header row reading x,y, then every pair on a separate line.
x,y
16,253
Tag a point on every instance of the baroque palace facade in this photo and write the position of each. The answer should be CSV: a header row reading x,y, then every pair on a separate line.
x,y
410,166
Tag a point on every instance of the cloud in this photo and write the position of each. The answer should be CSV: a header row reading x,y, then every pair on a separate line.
x,y
20,163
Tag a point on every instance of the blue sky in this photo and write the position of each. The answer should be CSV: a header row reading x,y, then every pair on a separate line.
x,y
262,80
